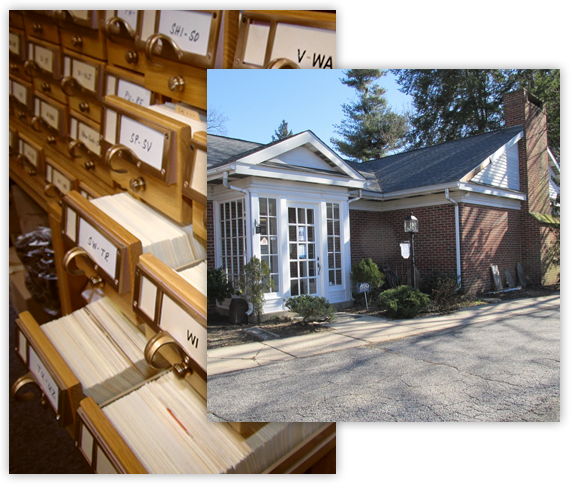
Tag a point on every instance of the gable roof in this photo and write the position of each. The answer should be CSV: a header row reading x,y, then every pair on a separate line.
x,y
280,159
436,165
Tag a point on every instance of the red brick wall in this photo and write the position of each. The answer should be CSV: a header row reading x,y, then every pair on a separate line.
x,y
488,236
378,235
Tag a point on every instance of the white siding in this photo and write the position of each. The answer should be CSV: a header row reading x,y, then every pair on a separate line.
x,y
302,157
503,172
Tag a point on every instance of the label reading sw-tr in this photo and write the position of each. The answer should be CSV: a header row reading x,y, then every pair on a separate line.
x,y
98,247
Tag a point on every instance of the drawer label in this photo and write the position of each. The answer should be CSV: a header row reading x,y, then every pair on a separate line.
x,y
45,380
85,74
14,43
190,30
49,114
134,93
190,334
308,47
19,92
103,252
129,16
30,153
146,143
63,184
44,58
90,138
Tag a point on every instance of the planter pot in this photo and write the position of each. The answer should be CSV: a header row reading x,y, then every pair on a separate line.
x,y
237,309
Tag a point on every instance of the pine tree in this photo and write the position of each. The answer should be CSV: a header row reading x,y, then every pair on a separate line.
x,y
281,132
371,129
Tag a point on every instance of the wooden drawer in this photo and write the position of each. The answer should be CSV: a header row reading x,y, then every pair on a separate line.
x,y
147,153
53,376
21,98
40,24
30,155
45,65
16,19
84,148
50,122
176,312
83,82
129,85
109,252
185,36
286,39
108,451
122,28
59,181
80,31
195,184
18,53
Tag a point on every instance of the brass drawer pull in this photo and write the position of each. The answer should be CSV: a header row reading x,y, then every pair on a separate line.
x,y
89,165
69,86
31,68
137,185
119,150
19,384
164,46
176,83
96,281
115,26
161,339
51,188
84,107
37,28
45,87
282,63
73,146
37,123
132,57
76,41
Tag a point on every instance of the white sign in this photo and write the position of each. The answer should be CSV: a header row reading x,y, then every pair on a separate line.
x,y
30,153
256,43
44,379
49,114
308,47
181,326
134,93
98,247
129,16
14,43
405,249
63,184
146,143
190,30
85,74
90,138
19,92
44,58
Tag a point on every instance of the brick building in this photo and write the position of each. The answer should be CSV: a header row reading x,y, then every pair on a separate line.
x,y
480,200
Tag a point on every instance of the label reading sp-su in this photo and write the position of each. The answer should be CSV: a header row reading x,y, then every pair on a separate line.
x,y
145,142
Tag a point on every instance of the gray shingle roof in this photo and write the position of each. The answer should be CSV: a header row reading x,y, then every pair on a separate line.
x,y
439,164
222,149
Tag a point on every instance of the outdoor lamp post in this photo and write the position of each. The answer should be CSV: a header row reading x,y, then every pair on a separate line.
x,y
411,226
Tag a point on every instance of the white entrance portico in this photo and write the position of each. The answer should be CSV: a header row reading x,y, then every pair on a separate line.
x,y
287,204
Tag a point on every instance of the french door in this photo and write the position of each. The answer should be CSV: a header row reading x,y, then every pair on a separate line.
x,y
304,258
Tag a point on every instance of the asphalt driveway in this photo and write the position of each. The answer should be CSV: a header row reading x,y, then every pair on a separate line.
x,y
499,364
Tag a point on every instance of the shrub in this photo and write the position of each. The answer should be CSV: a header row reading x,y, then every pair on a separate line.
x,y
256,282
444,295
218,288
402,302
310,308
366,271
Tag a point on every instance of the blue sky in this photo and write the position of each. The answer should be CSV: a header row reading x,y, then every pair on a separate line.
x,y
256,101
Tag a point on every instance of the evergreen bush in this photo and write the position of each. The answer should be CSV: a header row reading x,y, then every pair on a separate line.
x,y
366,271
403,302
218,288
310,308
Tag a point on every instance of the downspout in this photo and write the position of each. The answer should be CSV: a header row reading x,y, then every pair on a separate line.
x,y
457,232
356,198
249,213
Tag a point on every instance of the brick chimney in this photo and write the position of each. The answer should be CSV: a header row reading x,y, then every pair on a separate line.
x,y
523,108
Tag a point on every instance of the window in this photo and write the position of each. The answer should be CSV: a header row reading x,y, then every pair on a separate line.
x,y
334,244
268,239
233,246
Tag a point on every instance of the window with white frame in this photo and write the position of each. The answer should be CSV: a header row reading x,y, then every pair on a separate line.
x,y
233,239
334,244
268,239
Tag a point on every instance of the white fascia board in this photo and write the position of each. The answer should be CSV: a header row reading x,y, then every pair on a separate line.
x,y
435,188
299,140
503,193
217,172
484,164
294,175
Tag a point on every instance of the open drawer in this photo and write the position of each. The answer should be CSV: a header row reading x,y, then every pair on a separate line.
x,y
147,150
61,389
161,427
